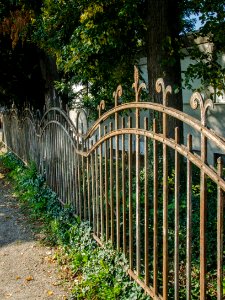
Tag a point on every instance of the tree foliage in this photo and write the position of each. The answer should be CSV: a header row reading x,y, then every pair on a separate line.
x,y
20,77
209,64
96,43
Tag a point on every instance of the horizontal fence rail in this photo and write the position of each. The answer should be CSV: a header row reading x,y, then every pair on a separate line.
x,y
147,191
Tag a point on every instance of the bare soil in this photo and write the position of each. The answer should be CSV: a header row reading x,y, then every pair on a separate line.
x,y
28,270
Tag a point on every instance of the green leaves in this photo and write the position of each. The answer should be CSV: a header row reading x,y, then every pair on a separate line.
x,y
94,42
100,272
208,65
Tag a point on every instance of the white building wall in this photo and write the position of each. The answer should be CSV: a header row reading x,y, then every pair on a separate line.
x,y
215,117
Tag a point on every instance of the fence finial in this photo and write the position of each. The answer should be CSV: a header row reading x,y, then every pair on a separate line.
x,y
67,110
166,91
60,104
117,94
197,99
101,107
138,88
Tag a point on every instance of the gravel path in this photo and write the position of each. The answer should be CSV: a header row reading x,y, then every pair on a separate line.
x,y
27,269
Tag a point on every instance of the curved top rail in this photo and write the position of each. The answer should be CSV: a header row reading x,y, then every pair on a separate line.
x,y
32,123
27,111
182,149
62,127
59,110
185,118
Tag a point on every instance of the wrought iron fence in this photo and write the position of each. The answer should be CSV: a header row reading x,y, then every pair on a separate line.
x,y
156,199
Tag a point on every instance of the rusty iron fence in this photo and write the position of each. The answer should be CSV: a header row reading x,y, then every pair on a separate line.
x,y
156,199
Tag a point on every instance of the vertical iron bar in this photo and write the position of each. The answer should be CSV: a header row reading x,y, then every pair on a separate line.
x,y
117,185
138,208
97,189
51,156
88,190
93,189
79,184
123,189
55,158
111,185
57,163
106,187
69,172
63,170
146,205
101,187
177,223
165,211
220,217
203,208
76,180
60,164
84,173
131,234
66,169
73,177
60,167
189,220
155,209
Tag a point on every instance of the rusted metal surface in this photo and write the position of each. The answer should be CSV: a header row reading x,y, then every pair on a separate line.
x,y
166,92
220,232
155,209
189,221
136,185
146,205
130,202
176,217
123,174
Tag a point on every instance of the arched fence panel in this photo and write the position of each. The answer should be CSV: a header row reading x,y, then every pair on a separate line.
x,y
141,184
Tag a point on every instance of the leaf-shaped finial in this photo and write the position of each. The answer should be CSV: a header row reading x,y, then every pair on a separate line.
x,y
197,99
117,94
137,88
101,107
166,91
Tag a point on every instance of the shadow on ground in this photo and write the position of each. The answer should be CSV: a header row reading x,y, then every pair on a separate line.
x,y
12,230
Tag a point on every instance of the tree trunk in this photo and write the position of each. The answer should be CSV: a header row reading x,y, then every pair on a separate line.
x,y
49,74
163,24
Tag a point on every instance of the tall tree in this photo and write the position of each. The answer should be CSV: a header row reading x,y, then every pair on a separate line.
x,y
94,42
97,42
163,60
27,72
209,65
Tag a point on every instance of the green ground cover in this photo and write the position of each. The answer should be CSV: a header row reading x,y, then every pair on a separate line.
x,y
97,272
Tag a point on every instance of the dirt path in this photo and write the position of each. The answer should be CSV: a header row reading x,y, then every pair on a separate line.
x,y
27,270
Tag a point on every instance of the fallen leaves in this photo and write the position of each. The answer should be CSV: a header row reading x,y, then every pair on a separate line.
x,y
50,293
8,295
18,242
29,278
56,283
